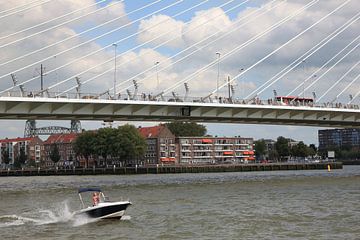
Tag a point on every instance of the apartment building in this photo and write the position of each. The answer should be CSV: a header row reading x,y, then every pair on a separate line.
x,y
214,150
10,149
64,143
337,138
161,147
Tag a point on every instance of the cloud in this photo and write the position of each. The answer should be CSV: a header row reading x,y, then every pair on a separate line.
x,y
199,26
158,27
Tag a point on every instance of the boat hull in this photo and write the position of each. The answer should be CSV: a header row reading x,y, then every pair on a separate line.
x,y
105,210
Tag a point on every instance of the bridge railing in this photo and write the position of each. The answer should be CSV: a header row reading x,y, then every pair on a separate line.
x,y
174,98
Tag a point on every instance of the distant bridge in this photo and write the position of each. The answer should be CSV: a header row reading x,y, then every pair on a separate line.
x,y
139,110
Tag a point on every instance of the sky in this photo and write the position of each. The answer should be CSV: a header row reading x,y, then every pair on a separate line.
x,y
183,36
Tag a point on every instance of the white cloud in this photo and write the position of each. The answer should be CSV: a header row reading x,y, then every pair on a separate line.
x,y
158,27
217,21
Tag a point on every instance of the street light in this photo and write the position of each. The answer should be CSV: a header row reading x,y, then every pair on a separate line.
x,y
241,85
218,74
303,61
115,55
157,74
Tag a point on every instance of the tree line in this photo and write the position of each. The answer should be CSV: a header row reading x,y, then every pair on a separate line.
x,y
121,144
282,150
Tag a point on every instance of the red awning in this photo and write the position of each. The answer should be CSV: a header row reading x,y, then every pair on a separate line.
x,y
206,140
228,153
165,159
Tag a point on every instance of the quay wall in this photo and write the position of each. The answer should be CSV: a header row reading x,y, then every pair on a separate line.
x,y
173,169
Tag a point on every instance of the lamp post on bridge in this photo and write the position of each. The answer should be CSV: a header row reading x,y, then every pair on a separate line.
x,y
218,74
157,74
115,55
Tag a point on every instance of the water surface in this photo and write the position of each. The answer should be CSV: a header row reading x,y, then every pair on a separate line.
x,y
312,204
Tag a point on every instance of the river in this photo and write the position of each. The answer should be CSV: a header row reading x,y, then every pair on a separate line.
x,y
313,204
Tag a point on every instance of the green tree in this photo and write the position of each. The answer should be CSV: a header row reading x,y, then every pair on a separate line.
x,y
300,150
22,156
5,156
282,147
20,159
260,148
187,129
129,144
85,145
54,153
105,140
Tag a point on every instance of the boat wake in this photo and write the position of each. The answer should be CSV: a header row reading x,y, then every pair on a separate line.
x,y
60,214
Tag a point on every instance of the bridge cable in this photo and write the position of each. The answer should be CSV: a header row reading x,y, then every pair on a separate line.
x,y
357,94
351,83
25,9
317,22
140,45
59,25
337,82
68,38
19,6
327,62
69,63
329,69
149,41
51,20
256,37
204,40
144,30
298,61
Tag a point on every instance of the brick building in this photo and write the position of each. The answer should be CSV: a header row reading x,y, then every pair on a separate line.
x,y
64,142
32,147
161,147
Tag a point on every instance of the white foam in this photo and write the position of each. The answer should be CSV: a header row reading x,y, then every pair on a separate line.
x,y
125,218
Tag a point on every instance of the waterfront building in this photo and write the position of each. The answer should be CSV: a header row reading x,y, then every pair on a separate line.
x,y
338,138
64,143
32,147
160,145
215,150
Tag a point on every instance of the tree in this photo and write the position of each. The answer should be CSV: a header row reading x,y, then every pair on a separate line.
x,y
5,156
282,147
300,150
186,129
22,156
21,159
260,148
129,144
85,145
54,153
105,140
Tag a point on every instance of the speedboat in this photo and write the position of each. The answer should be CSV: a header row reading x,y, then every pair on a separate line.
x,y
104,208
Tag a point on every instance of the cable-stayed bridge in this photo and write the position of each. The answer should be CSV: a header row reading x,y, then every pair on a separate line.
x,y
127,86
144,110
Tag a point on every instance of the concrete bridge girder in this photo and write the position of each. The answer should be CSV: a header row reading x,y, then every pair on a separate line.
x,y
96,109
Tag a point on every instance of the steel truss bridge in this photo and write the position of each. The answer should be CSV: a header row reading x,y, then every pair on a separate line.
x,y
144,110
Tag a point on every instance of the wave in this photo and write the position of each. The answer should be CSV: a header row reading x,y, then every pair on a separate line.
x,y
59,214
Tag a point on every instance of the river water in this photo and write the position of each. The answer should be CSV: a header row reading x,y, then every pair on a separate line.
x,y
312,204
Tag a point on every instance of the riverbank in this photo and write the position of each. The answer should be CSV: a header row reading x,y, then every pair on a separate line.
x,y
172,169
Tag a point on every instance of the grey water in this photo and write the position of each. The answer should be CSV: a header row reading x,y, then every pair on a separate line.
x,y
312,204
